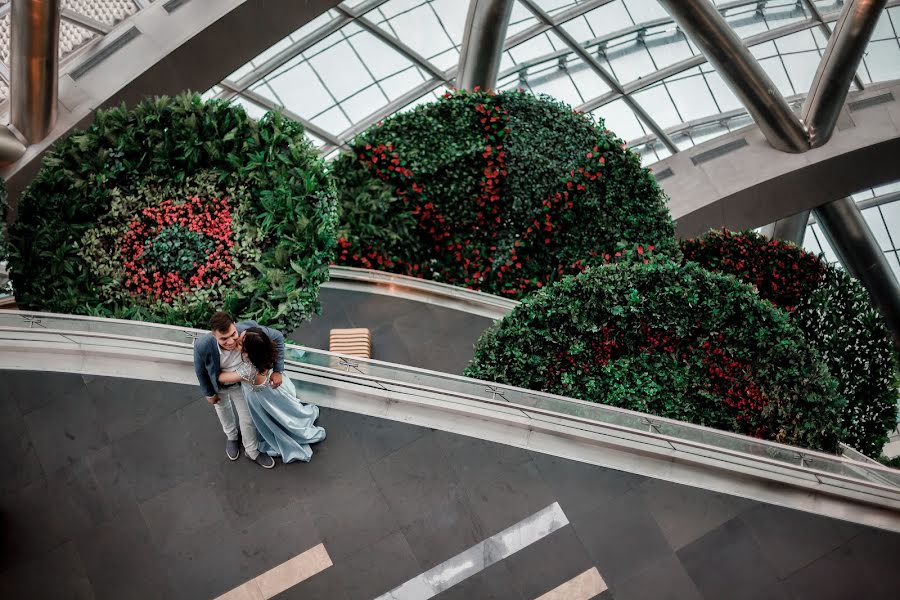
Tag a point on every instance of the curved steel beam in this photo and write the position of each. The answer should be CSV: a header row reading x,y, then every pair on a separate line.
x,y
789,229
738,180
838,67
724,49
482,47
860,253
161,52
34,67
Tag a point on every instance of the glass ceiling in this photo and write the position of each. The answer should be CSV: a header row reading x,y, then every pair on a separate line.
x,y
367,59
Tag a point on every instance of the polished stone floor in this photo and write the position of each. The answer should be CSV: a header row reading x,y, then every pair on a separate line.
x,y
403,331
114,488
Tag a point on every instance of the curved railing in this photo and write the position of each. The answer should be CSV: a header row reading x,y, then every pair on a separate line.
x,y
834,485
422,290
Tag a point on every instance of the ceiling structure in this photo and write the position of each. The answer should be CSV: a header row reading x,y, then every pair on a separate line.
x,y
625,61
367,59
81,21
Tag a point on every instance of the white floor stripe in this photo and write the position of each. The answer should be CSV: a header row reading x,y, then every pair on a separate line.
x,y
284,576
480,556
583,587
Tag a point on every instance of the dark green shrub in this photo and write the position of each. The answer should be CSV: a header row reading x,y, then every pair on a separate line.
x,y
503,193
834,312
673,341
172,210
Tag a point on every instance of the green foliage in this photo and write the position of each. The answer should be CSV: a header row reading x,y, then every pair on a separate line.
x,y
673,341
177,250
833,311
503,193
66,245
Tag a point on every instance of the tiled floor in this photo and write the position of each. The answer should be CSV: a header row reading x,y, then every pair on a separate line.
x,y
403,331
117,489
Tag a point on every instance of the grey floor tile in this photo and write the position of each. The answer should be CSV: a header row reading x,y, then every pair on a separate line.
x,y
476,460
206,563
836,576
686,513
336,455
580,487
377,569
663,580
879,552
247,492
20,465
182,510
390,345
373,310
159,456
205,440
792,539
349,513
377,438
122,562
622,537
66,428
414,478
57,574
444,530
92,490
512,495
327,585
728,563
549,562
32,390
37,519
275,538
125,405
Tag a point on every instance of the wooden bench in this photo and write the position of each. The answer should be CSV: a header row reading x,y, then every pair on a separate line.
x,y
352,342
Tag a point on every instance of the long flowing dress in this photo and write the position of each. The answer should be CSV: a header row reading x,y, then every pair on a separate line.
x,y
285,425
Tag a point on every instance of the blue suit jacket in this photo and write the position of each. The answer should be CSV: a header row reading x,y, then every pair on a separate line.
x,y
206,356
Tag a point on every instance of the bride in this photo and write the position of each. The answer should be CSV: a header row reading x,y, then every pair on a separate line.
x,y
285,425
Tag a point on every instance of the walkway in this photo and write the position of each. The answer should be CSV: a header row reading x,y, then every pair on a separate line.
x,y
113,488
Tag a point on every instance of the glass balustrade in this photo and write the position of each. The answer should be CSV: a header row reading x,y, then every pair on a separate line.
x,y
634,428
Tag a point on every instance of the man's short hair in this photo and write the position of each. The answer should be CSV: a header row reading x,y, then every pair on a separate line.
x,y
221,322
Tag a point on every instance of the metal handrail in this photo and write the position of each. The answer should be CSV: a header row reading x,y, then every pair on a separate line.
x,y
808,453
380,382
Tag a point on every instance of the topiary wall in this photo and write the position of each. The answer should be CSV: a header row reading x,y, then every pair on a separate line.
x,y
502,193
669,340
173,210
832,310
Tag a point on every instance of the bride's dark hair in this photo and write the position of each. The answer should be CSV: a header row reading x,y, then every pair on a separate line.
x,y
260,350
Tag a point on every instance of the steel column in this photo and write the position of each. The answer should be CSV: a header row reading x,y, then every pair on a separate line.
x,y
34,67
482,46
789,229
838,67
858,250
727,53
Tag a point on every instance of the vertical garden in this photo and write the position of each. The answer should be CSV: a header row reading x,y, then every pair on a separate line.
x,y
178,207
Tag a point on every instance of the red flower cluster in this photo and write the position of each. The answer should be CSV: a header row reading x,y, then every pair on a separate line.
x,y
783,273
211,219
727,379
471,246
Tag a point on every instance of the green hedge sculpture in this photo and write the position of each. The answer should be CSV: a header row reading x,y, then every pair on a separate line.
x,y
673,341
173,210
502,193
834,312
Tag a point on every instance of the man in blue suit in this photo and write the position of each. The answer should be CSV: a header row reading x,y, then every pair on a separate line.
x,y
218,351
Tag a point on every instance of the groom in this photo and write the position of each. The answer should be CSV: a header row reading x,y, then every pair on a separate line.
x,y
218,351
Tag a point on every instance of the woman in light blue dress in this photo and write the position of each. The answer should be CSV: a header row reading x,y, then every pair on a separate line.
x,y
285,425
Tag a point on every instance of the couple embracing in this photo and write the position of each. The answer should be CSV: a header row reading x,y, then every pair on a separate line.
x,y
240,367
